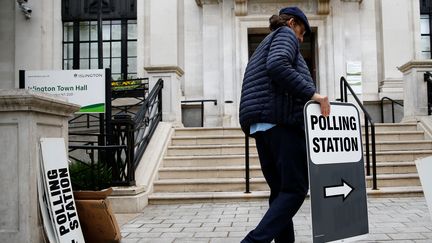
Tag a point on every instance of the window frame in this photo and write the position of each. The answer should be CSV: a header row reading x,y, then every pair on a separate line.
x,y
122,18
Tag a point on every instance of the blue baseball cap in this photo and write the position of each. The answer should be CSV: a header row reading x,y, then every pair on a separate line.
x,y
296,12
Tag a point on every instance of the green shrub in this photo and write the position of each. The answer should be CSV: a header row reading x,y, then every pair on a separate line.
x,y
86,176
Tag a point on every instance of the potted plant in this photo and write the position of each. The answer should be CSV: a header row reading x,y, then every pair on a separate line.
x,y
91,184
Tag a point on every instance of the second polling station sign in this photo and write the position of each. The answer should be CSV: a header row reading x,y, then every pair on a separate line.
x,y
336,172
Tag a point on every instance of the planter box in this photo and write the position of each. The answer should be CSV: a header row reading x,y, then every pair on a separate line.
x,y
97,219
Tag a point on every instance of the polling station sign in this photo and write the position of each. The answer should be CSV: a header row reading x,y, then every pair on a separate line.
x,y
336,172
82,87
57,203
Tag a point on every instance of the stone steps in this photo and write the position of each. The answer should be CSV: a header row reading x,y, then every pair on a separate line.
x,y
255,171
240,139
241,196
239,159
230,131
232,149
259,183
207,164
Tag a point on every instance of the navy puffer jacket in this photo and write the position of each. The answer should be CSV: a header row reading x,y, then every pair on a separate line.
x,y
277,82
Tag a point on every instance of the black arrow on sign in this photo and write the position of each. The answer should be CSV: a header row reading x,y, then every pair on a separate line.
x,y
343,190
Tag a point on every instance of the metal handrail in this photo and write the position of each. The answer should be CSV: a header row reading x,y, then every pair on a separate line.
x,y
128,137
344,87
427,77
146,120
247,165
392,103
202,106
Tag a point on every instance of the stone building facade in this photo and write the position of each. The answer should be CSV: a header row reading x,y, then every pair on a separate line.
x,y
201,47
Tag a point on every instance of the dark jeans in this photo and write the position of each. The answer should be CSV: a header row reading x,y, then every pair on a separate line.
x,y
282,154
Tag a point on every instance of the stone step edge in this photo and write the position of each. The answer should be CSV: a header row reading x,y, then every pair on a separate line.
x,y
261,179
265,194
188,157
238,128
255,167
212,146
242,136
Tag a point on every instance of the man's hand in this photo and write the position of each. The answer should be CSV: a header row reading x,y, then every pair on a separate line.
x,y
324,103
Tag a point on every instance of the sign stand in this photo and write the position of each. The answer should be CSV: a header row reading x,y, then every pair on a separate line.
x,y
336,172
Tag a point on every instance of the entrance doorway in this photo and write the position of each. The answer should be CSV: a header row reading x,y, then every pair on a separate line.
x,y
307,48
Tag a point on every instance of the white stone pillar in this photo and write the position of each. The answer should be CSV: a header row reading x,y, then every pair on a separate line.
x,y
25,117
171,93
164,45
396,42
7,43
415,89
213,82
38,40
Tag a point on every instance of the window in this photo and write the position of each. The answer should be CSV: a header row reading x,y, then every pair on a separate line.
x,y
425,28
119,38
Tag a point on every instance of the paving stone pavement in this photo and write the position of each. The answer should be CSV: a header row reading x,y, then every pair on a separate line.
x,y
390,220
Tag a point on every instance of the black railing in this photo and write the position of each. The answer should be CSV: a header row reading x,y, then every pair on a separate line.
x,y
427,76
146,120
247,164
129,133
344,87
393,102
87,121
94,167
134,89
202,106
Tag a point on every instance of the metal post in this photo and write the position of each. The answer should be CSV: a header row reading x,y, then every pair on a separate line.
x,y
393,116
101,138
21,79
367,146
247,164
374,173
341,90
160,99
202,113
345,93
382,110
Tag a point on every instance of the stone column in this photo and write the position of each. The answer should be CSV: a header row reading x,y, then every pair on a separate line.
x,y
164,45
213,79
171,92
398,24
25,117
415,89
38,40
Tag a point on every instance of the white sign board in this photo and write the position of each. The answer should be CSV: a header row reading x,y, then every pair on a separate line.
x,y
58,191
336,138
354,76
424,168
82,87
336,172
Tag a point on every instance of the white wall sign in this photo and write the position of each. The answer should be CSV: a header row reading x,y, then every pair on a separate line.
x,y
82,87
354,76
336,138
58,191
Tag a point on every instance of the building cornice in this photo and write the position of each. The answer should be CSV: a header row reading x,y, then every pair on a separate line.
x,y
241,6
415,64
165,69
202,2
323,7
27,100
